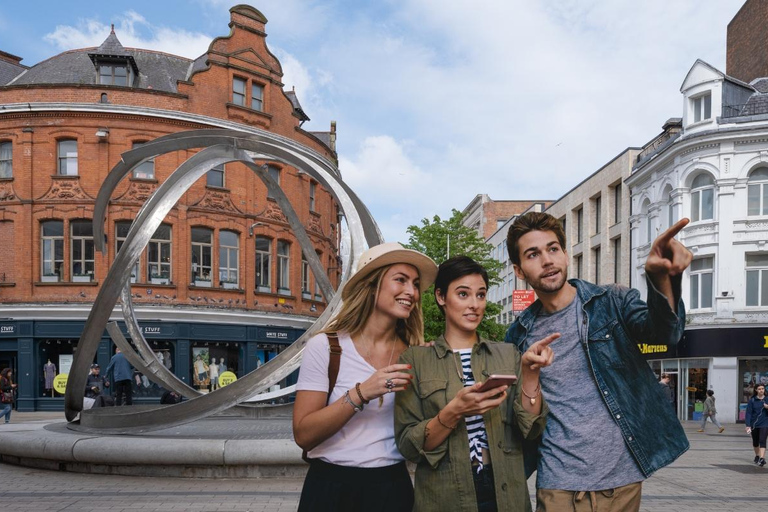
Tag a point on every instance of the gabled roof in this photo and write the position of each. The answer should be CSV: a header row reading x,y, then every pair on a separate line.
x,y
112,49
9,70
703,72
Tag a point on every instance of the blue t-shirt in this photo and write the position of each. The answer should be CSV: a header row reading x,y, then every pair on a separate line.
x,y
582,448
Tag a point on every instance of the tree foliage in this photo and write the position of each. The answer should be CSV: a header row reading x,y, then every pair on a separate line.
x,y
436,238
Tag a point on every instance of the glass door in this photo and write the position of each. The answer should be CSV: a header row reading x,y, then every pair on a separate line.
x,y
693,388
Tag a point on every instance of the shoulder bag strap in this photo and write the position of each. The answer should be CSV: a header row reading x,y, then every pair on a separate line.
x,y
333,372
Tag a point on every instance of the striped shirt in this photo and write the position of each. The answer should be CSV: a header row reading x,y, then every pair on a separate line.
x,y
478,438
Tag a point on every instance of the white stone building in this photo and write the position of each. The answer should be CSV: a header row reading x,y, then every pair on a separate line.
x,y
714,172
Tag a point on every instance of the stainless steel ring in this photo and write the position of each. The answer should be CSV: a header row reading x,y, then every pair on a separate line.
x,y
389,384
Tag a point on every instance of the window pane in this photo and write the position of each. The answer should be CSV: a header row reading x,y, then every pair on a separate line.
x,y
6,160
702,264
707,204
257,97
764,288
695,292
228,238
202,235
82,228
215,178
697,110
706,290
53,228
695,198
163,232
765,199
757,260
753,277
262,244
707,106
753,200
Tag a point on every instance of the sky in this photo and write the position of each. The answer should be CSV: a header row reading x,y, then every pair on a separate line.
x,y
437,101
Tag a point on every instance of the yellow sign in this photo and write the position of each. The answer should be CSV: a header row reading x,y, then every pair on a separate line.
x,y
651,349
227,378
766,341
281,301
60,382
689,388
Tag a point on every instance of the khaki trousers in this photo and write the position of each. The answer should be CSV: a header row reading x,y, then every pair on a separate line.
x,y
620,499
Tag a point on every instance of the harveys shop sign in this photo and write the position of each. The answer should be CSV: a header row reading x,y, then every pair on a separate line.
x,y
723,342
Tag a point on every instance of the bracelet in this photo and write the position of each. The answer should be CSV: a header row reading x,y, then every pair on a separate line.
x,y
348,399
360,394
536,392
443,424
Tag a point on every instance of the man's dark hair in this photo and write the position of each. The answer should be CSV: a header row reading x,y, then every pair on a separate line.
x,y
710,392
532,221
455,268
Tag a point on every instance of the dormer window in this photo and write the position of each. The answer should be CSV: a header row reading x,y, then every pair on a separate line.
x,y
115,74
702,107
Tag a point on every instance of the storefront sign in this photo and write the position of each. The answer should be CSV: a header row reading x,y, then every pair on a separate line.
x,y
521,299
652,349
151,330
714,342
8,329
65,362
227,378
276,335
60,383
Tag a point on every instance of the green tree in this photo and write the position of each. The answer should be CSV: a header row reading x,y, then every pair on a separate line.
x,y
436,238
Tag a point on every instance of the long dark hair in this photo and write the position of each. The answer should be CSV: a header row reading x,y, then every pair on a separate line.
x,y
5,372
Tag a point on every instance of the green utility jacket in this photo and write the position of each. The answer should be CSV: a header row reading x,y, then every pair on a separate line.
x,y
444,475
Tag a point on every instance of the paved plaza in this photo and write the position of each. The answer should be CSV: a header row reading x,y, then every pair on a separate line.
x,y
716,474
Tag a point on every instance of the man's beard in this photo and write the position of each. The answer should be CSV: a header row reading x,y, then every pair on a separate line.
x,y
539,284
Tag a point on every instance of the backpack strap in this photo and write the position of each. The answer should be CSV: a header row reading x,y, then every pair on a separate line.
x,y
333,372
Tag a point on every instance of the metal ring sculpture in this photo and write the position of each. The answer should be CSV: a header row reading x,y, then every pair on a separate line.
x,y
220,146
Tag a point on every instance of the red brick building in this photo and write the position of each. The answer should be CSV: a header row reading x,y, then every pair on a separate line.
x,y
223,276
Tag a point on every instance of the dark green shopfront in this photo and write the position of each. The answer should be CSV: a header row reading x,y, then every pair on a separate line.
x,y
39,350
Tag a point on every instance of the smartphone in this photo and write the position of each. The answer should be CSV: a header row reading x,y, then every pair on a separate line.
x,y
494,381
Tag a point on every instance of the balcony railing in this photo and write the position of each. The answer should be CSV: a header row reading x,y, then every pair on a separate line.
x,y
745,109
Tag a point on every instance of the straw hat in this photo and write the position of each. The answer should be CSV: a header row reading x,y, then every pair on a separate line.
x,y
391,253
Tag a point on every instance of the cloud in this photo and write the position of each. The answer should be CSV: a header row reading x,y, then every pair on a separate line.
x,y
133,31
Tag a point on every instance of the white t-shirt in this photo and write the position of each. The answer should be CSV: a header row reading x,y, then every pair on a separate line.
x,y
368,438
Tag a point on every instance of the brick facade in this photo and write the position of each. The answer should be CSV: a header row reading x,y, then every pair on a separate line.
x,y
747,48
36,192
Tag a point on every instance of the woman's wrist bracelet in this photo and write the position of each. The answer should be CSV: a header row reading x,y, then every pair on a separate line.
x,y
536,393
355,406
443,424
360,394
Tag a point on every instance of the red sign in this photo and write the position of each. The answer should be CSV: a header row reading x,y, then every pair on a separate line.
x,y
521,299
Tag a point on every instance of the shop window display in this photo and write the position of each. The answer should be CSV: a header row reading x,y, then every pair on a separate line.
x,y
143,387
55,356
752,372
211,359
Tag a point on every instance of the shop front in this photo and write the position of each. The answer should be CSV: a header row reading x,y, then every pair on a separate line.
x,y
41,354
728,360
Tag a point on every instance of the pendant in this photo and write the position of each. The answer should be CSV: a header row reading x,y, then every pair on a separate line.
x,y
381,401
533,401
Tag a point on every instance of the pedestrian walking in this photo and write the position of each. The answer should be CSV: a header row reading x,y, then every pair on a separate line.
x,y
122,377
6,393
710,412
757,422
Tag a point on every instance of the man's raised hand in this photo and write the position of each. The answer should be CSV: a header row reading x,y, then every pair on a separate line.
x,y
668,257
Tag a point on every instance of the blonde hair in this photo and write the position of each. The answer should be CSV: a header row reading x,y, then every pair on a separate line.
x,y
360,304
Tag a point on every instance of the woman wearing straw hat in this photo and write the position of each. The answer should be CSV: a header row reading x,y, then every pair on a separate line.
x,y
465,434
349,431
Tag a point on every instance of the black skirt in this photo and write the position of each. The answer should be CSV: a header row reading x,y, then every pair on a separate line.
x,y
332,488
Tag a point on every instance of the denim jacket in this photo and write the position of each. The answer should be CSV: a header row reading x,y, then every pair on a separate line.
x,y
614,320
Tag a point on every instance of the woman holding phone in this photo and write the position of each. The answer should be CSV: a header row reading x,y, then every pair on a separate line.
x,y
346,426
466,438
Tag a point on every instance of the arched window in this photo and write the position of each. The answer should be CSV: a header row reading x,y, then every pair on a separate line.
x,y
52,232
202,256
670,214
159,256
263,264
702,198
81,246
647,215
229,252
757,192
